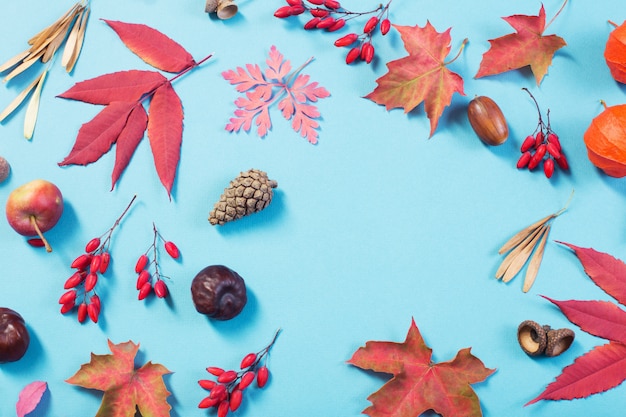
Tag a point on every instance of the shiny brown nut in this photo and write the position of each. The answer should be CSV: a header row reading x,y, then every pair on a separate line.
x,y
219,292
14,337
487,120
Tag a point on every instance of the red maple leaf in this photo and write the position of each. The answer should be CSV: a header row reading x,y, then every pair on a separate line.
x,y
124,120
418,384
528,46
126,389
422,76
263,89
603,367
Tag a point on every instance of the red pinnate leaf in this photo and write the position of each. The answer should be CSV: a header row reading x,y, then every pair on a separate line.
x,y
417,384
604,270
117,86
527,47
30,397
96,137
165,131
243,80
599,318
599,370
278,68
124,386
422,76
303,92
128,140
152,46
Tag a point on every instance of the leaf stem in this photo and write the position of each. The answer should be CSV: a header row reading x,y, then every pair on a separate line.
x,y
554,17
33,222
189,68
458,53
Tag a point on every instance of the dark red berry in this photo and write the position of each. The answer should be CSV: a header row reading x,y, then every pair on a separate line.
x,y
316,2
81,262
207,384
554,139
172,249
317,12
67,297
144,290
297,10
325,23
82,312
353,55
74,280
92,245
160,289
385,25
36,242
294,2
528,143
91,281
246,379
332,4
104,264
312,24
262,376
370,25
339,23
562,162
283,12
548,167
214,370
248,360
141,263
367,52
553,150
538,139
144,276
94,311
524,160
227,376
349,39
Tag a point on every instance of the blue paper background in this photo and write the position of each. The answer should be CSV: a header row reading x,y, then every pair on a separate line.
x,y
375,225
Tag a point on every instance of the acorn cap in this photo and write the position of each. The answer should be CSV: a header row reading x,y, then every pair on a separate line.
x,y
558,341
210,6
532,337
226,9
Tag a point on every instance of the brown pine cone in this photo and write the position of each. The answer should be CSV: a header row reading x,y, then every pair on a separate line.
x,y
249,193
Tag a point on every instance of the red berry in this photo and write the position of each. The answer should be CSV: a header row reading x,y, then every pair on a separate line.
x,y
67,297
214,370
144,290
367,52
246,379
92,245
297,9
353,55
235,399
91,281
332,4
339,23
385,25
553,150
562,162
312,24
349,39
325,23
283,12
93,312
207,384
370,25
218,391
248,360
36,242
553,138
95,300
294,2
65,308
94,265
316,2
317,12
222,409
74,280
81,262
141,263
208,402
160,289
537,157
524,160
548,167
227,376
82,312
538,139
105,260
144,276
528,143
262,376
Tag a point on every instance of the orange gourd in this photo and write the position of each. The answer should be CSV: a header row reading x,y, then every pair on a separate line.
x,y
615,53
606,141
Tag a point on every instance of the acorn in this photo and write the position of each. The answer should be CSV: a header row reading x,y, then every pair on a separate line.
x,y
532,337
487,120
558,341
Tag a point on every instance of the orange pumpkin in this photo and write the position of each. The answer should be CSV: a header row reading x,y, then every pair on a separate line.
x,y
606,141
615,53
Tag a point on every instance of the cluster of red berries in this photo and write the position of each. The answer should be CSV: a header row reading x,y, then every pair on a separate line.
x,y
542,147
81,285
226,392
329,15
145,283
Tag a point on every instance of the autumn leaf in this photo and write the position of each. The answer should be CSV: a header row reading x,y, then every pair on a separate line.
x,y
126,389
528,46
603,367
262,89
128,140
30,397
418,384
422,76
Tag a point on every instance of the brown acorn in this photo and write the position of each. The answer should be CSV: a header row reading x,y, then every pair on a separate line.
x,y
532,337
487,120
559,341
249,193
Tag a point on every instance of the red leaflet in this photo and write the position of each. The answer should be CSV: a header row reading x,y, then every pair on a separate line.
x,y
30,397
117,86
153,46
128,140
165,131
598,370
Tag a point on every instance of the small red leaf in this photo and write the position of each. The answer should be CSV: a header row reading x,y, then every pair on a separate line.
x,y
599,370
152,46
165,132
599,318
96,137
117,86
128,141
606,271
29,397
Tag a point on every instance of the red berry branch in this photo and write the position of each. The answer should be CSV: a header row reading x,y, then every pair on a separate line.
x,y
226,392
82,283
145,284
543,145
329,15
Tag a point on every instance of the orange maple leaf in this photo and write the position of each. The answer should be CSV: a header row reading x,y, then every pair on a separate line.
x,y
418,384
421,76
527,47
125,388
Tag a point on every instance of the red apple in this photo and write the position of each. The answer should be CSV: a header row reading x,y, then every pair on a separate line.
x,y
34,208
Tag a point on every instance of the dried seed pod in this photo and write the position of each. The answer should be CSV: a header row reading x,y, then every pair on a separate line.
x,y
558,341
487,120
532,337
219,292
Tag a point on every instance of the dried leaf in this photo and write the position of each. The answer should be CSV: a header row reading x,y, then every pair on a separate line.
x,y
520,260
513,254
30,397
522,234
30,119
18,100
70,44
17,59
26,64
80,38
533,265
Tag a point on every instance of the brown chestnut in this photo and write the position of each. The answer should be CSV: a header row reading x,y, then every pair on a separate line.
x,y
487,121
14,337
219,292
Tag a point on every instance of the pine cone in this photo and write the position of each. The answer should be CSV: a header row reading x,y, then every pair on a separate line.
x,y
249,193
